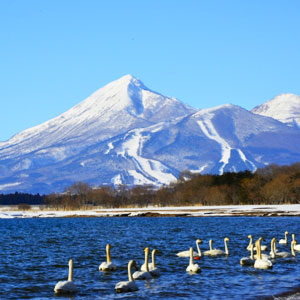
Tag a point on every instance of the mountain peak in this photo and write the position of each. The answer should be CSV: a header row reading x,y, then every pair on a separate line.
x,y
284,107
119,106
126,81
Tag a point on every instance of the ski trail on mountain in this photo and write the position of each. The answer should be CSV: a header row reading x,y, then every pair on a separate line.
x,y
149,168
209,130
244,158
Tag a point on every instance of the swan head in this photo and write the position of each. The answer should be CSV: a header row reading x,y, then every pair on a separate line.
x,y
146,249
286,232
70,262
249,236
108,246
198,241
132,263
226,239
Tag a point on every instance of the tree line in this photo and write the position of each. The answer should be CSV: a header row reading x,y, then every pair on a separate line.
x,y
270,185
21,198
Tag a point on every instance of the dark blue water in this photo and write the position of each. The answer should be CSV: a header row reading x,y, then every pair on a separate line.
x,y
34,256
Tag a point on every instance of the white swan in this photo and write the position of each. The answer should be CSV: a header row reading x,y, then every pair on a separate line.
x,y
142,275
262,247
250,242
217,252
248,261
275,253
130,285
67,286
285,240
108,265
198,241
193,268
154,271
187,252
261,263
263,255
296,247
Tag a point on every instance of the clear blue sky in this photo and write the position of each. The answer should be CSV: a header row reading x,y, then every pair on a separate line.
x,y
54,53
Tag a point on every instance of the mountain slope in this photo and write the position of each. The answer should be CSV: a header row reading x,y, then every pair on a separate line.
x,y
284,108
121,105
217,140
127,134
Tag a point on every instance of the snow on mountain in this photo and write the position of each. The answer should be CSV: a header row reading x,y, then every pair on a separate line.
x,y
112,110
285,108
217,140
121,105
125,133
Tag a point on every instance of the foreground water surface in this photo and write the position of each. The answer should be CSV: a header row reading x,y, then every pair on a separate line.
x,y
34,256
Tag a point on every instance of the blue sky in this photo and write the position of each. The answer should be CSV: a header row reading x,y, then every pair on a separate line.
x,y
54,54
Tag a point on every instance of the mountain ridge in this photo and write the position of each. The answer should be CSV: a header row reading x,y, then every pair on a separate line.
x,y
284,108
125,133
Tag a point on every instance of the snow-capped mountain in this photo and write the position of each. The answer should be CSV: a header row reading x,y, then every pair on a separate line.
x,y
112,110
121,105
127,134
285,108
217,140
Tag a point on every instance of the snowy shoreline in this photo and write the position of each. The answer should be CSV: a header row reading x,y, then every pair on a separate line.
x,y
7,212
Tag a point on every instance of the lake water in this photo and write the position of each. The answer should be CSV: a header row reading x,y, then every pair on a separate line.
x,y
34,256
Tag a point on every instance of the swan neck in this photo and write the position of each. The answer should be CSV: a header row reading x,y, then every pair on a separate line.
x,y
191,256
250,242
147,259
153,259
226,247
130,278
292,248
210,245
285,236
70,276
258,250
272,249
108,258
199,250
251,252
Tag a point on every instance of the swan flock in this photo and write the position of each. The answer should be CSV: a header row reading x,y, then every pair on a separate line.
x,y
150,270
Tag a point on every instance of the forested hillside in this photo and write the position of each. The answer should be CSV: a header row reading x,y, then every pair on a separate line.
x,y
270,185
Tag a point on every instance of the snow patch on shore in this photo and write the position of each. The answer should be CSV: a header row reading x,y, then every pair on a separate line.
x,y
7,212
